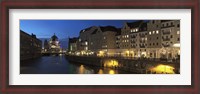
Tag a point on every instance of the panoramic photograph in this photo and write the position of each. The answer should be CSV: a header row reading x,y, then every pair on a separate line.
x,y
99,46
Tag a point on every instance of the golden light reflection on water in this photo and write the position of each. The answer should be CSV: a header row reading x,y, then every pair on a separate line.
x,y
163,69
81,69
100,71
111,72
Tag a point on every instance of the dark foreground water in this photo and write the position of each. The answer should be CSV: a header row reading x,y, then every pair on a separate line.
x,y
60,65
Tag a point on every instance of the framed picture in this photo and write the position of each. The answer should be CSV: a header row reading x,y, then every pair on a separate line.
x,y
102,46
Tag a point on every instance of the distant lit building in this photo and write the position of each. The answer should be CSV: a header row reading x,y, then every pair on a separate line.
x,y
54,44
170,39
46,46
30,46
73,45
103,40
84,41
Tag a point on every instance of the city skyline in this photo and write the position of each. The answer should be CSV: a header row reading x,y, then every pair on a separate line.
x,y
139,46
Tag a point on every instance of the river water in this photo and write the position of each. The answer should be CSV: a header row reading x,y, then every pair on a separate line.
x,y
60,65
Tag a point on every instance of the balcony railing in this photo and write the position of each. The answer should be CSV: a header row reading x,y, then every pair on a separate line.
x,y
133,36
165,45
132,41
166,32
142,35
133,46
168,26
142,41
142,46
166,39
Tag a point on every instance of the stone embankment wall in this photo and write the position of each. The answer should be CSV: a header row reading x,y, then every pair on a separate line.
x,y
127,64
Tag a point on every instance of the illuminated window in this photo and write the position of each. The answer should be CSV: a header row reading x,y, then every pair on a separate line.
x,y
153,32
136,30
157,31
150,33
178,32
86,43
127,36
133,30
145,38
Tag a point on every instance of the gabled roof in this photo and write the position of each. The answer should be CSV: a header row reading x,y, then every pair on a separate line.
x,y
95,31
105,29
143,27
108,28
118,32
73,40
165,20
86,29
135,24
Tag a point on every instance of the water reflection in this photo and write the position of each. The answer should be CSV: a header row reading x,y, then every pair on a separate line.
x,y
100,71
111,72
60,65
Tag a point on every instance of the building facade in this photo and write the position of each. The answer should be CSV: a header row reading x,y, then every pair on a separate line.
x,y
138,39
170,39
103,41
73,45
30,46
54,44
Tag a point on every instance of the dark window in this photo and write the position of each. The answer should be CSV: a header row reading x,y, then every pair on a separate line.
x,y
178,39
150,44
157,37
153,43
157,43
178,25
167,24
153,21
157,26
171,23
171,36
162,25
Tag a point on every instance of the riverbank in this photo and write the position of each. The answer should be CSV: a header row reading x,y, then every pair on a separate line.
x,y
142,66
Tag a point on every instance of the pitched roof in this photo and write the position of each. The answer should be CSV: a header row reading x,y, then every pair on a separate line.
x,y
86,29
134,24
108,28
118,32
143,27
165,20
73,40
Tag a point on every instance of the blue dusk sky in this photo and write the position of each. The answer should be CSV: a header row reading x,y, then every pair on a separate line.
x,y
64,28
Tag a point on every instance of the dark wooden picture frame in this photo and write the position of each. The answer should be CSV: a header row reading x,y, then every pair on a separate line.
x,y
98,4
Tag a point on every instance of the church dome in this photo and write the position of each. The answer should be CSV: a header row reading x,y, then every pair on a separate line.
x,y
54,37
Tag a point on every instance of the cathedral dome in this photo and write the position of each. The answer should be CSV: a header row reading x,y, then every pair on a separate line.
x,y
54,37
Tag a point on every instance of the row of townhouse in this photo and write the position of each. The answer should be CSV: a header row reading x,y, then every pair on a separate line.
x,y
30,46
149,39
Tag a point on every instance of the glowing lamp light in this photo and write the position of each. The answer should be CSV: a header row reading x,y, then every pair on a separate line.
x,y
111,72
176,45
163,69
